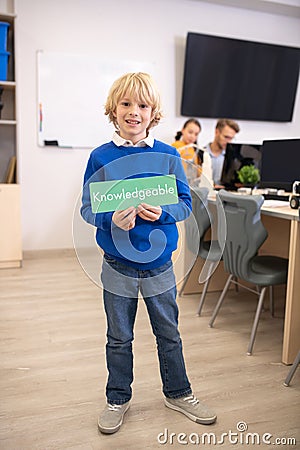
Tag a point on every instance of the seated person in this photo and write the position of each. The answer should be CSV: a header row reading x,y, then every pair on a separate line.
x,y
225,131
196,161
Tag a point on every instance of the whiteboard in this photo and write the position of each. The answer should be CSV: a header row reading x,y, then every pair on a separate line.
x,y
72,91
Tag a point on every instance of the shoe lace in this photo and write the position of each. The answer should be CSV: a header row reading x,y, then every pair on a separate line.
x,y
191,399
113,407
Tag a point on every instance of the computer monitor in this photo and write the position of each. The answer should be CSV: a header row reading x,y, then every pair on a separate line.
x,y
280,164
237,156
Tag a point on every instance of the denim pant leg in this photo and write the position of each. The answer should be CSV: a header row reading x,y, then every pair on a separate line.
x,y
120,315
163,313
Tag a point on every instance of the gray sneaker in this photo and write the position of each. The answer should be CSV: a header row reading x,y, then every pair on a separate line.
x,y
111,418
192,408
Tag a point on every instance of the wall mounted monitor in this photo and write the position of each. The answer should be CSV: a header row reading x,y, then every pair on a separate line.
x,y
237,156
239,79
280,163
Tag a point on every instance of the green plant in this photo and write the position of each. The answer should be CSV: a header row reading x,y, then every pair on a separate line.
x,y
249,175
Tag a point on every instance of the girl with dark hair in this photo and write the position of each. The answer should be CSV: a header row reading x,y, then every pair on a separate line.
x,y
195,161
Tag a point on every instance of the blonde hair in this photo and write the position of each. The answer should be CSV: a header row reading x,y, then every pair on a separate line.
x,y
138,85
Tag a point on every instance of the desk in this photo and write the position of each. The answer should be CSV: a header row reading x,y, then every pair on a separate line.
x,y
283,226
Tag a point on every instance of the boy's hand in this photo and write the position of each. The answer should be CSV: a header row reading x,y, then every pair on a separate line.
x,y
149,212
125,219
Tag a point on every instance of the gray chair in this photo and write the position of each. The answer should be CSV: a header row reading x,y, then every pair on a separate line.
x,y
241,230
195,228
292,370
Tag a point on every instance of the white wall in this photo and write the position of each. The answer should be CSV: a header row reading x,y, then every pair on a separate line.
x,y
151,30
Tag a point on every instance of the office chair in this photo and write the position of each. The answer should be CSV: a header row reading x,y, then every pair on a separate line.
x,y
292,370
241,230
196,228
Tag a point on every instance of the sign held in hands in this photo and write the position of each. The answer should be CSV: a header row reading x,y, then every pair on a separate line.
x,y
121,194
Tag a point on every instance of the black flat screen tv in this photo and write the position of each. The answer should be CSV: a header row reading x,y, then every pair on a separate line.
x,y
238,79
280,163
237,156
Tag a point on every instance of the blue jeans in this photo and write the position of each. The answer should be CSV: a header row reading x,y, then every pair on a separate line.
x,y
121,313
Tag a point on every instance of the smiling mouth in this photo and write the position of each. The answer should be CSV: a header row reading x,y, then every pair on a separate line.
x,y
132,122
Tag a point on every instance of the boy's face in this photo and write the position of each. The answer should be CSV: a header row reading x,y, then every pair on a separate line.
x,y
133,118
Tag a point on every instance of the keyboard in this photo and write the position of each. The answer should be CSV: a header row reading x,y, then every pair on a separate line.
x,y
283,198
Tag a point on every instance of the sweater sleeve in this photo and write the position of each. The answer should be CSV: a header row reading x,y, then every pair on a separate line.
x,y
207,170
99,220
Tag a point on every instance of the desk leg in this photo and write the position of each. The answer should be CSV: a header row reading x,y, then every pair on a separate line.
x,y
291,336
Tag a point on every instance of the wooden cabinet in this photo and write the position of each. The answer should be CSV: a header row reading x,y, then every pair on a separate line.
x,y
8,120
10,222
10,226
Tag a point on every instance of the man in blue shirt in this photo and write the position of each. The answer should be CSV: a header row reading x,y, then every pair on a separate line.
x,y
225,131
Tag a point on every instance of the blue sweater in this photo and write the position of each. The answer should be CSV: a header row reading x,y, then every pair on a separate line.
x,y
149,244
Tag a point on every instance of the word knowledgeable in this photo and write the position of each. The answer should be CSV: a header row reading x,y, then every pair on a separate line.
x,y
141,194
121,194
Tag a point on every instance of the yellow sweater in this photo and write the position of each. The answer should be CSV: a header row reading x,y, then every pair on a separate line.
x,y
188,154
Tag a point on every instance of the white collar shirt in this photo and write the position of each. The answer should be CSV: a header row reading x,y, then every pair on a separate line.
x,y
119,141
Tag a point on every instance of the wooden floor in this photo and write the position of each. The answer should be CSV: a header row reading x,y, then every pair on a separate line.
x,y
53,374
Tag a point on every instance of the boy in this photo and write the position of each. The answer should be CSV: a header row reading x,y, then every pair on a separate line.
x,y
138,245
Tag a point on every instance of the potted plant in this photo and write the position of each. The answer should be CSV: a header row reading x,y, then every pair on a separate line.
x,y
249,175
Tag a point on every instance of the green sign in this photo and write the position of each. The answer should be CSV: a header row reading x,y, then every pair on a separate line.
x,y
121,194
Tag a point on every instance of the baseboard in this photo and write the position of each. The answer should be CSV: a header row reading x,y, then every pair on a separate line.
x,y
48,253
